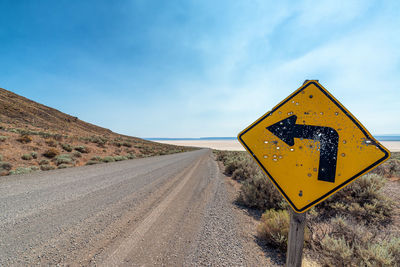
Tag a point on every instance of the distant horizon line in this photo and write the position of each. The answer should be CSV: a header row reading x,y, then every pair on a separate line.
x,y
381,137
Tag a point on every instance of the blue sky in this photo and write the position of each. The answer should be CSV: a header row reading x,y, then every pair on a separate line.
x,y
200,68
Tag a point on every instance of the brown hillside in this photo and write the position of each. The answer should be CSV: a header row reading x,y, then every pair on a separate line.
x,y
36,137
21,112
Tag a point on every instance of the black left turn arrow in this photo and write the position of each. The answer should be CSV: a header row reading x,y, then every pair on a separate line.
x,y
287,130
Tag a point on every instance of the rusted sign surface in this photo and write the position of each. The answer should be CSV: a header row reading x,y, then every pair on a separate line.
x,y
311,146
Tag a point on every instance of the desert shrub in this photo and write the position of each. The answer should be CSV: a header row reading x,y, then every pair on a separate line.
x,y
230,168
274,228
63,159
3,138
239,162
245,169
66,147
349,243
26,157
393,246
34,155
336,250
58,137
24,139
82,149
108,159
5,166
44,134
51,142
127,144
362,200
390,168
256,190
117,143
96,158
120,158
395,155
77,154
44,162
1,157
92,162
24,170
96,140
51,153
47,167
260,193
63,166
131,156
229,156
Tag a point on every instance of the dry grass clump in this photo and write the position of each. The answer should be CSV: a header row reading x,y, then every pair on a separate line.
x,y
82,149
24,139
108,159
132,156
99,140
51,142
391,168
30,156
127,144
5,167
256,190
44,162
24,170
63,166
47,167
76,154
93,162
51,153
67,147
274,228
362,200
26,157
63,159
349,243
120,158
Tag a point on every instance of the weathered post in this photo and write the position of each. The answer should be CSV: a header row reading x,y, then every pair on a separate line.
x,y
294,253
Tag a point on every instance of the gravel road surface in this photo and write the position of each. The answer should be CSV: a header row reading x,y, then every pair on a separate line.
x,y
169,210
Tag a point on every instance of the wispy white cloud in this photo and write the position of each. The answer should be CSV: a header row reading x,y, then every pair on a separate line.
x,y
358,66
207,68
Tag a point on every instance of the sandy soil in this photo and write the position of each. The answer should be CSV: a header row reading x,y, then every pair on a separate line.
x,y
234,145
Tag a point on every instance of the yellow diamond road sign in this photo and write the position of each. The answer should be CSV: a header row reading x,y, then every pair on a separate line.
x,y
311,146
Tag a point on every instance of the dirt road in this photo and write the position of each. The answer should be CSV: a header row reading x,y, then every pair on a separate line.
x,y
170,210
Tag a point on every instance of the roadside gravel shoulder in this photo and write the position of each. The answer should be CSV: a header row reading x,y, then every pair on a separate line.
x,y
254,252
217,243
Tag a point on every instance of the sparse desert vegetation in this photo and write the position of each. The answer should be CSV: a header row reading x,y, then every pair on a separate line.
x,y
358,226
35,137
24,153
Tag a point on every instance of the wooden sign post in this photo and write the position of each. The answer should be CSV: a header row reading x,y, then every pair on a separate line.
x,y
294,253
